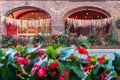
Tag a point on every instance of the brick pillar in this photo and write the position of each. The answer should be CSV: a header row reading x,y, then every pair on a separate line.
x,y
118,33
57,25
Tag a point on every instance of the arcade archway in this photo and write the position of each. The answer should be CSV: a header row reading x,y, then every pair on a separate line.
x,y
27,21
84,20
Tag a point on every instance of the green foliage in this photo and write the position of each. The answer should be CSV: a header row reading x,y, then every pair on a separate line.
x,y
59,40
83,41
67,29
38,39
66,61
93,39
116,62
8,68
51,52
117,20
111,40
75,71
65,53
7,41
19,48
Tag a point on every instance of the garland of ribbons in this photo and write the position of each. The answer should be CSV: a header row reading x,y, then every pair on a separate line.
x,y
86,23
13,24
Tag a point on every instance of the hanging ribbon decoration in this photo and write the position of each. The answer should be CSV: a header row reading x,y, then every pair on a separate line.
x,y
84,23
20,26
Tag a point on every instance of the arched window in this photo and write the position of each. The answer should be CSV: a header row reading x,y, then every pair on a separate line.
x,y
27,21
84,20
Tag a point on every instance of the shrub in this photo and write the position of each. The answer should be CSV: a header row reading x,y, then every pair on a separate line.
x,y
83,41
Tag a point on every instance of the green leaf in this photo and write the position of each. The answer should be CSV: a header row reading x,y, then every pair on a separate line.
x,y
30,49
65,53
10,55
19,48
61,67
51,52
4,73
94,59
88,76
2,52
96,68
1,65
78,71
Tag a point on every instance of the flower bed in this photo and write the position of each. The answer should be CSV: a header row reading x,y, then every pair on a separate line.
x,y
34,63
64,40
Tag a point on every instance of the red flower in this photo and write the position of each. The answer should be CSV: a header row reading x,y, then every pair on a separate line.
x,y
66,73
85,51
18,52
54,65
88,58
102,76
81,50
40,52
19,60
45,68
101,59
41,72
61,77
53,74
35,45
57,57
87,68
25,60
19,72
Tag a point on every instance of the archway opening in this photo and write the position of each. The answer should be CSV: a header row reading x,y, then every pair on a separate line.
x,y
27,22
85,20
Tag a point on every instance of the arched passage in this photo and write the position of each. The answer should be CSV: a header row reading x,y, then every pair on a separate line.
x,y
28,21
83,19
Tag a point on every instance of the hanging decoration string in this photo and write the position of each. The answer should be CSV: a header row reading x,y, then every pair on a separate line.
x,y
26,23
86,23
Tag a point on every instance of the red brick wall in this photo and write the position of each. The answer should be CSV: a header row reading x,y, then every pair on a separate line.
x,y
58,9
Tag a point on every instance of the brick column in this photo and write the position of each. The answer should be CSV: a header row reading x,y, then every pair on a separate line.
x,y
57,25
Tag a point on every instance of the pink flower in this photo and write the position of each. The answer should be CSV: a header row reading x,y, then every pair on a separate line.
x,y
25,60
40,52
41,72
101,59
19,60
42,57
53,74
37,59
54,65
61,77
36,67
33,70
66,73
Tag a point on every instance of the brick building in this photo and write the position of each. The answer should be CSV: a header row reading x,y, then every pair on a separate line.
x,y
59,10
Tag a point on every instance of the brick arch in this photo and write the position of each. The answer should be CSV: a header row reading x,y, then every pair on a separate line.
x,y
26,7
87,8
80,9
